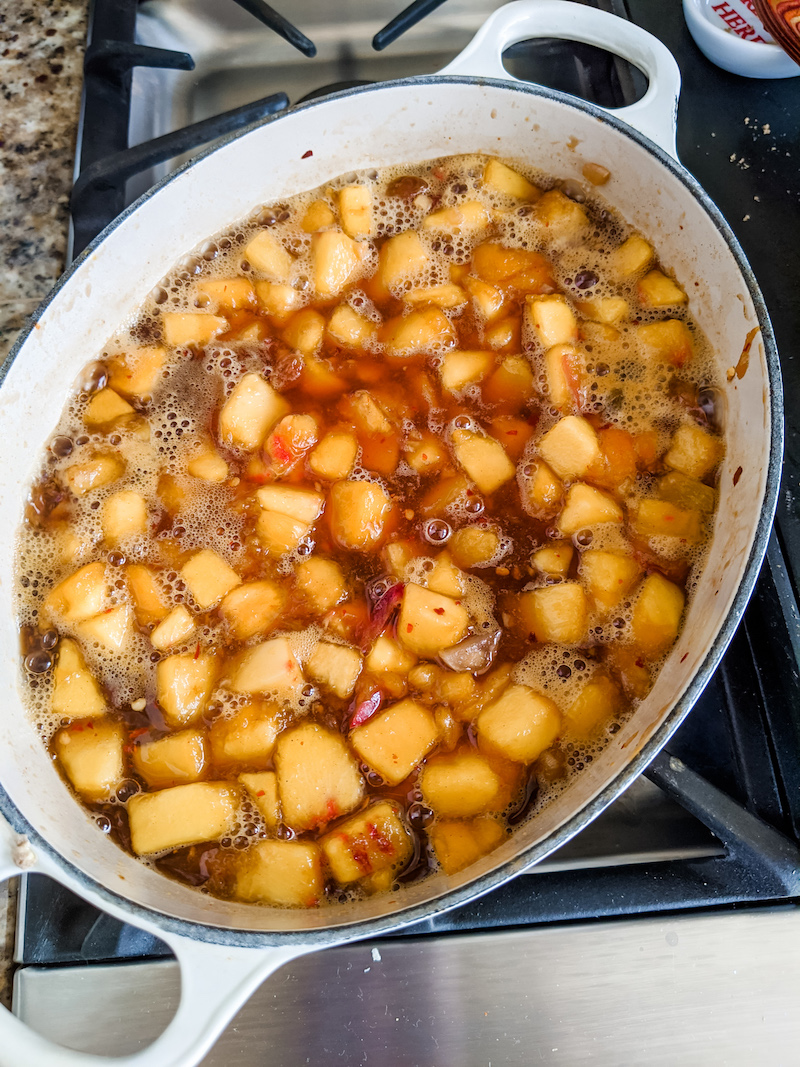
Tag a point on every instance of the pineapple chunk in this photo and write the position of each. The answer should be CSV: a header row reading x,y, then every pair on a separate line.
x,y
660,518
334,667
597,702
149,604
248,737
124,515
105,408
280,533
430,622
208,465
183,687
657,614
284,874
110,629
336,261
373,840
554,558
459,844
173,630
693,452
358,514
473,546
604,308
138,372
278,300
303,505
305,331
91,754
520,725
182,815
687,492
487,299
252,608
387,655
102,469
172,760
460,785
586,506
268,668
669,340
393,742
460,369
250,412
632,257
209,577
443,296
334,456
555,613
267,255
318,216
560,216
350,329
318,778
263,788
402,257
355,208
191,327
511,386
509,182
80,596
570,447
609,577
422,330
76,694
552,320
320,582
542,491
656,290
469,218
232,294
445,578
484,459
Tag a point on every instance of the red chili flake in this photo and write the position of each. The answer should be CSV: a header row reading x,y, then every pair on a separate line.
x,y
380,839
424,456
640,662
438,173
683,657
260,793
737,475
409,628
90,725
197,651
307,155
138,732
458,603
362,859
76,728
331,809
512,433
439,611
669,518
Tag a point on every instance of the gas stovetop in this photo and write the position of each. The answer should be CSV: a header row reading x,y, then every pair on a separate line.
x,y
679,896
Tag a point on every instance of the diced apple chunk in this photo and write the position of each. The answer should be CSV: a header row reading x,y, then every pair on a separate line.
x,y
555,613
268,668
488,300
552,320
263,788
484,459
423,330
604,308
110,629
173,630
124,515
459,785
508,181
334,456
149,603
250,412
279,533
355,208
373,840
425,454
693,451
138,372
106,407
229,293
102,469
182,815
393,742
402,257
246,738
208,465
473,546
172,760
445,578
304,505
358,514
657,290
469,218
208,577
278,300
81,595
430,622
632,257
76,694
285,874
350,329
318,216
367,414
305,331
183,687
596,704
520,725
334,667
252,608
585,507
541,490
458,844
669,340
570,447
267,255
687,492
554,559
562,218
387,655
657,614
608,576
460,369
91,754
336,261
320,582
660,518
191,327
443,296
511,385
318,778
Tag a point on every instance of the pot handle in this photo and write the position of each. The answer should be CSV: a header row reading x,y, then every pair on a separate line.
x,y
655,115
215,982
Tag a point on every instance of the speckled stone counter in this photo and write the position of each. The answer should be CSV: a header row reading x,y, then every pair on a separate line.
x,y
41,55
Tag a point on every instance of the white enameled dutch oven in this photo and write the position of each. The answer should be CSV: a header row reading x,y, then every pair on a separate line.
x,y
226,950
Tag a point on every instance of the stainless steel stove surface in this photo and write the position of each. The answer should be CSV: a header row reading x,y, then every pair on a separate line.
x,y
667,930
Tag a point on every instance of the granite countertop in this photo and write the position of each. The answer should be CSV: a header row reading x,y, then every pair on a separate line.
x,y
41,73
